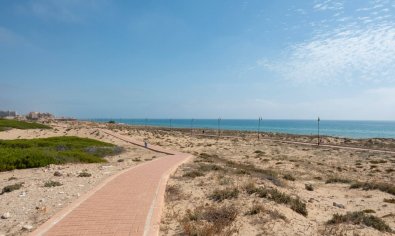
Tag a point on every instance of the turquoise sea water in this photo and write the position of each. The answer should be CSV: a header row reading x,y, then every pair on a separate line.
x,y
351,129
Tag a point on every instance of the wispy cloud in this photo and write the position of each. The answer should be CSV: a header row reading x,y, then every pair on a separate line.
x,y
346,48
71,11
8,37
328,5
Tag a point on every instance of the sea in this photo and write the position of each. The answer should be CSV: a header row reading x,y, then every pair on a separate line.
x,y
337,128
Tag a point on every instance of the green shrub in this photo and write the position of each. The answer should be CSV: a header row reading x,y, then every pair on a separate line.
x,y
32,153
4,124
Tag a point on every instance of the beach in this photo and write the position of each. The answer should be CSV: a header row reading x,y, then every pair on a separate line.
x,y
235,173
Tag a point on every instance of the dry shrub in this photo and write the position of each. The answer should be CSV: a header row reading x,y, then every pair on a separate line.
x,y
359,217
173,193
274,195
210,221
218,195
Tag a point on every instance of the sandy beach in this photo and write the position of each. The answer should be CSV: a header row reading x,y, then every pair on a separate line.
x,y
222,164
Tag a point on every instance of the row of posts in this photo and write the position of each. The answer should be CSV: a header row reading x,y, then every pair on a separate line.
x,y
259,127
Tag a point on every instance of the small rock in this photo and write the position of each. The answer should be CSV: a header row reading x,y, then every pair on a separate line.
x,y
311,200
57,173
6,215
27,227
339,205
22,194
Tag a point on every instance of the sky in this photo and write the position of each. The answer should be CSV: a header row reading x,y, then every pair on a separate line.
x,y
281,59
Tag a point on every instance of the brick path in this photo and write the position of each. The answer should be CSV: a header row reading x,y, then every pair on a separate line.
x,y
128,203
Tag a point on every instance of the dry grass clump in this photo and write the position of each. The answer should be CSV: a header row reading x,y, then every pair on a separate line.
x,y
258,208
193,174
378,161
281,198
209,167
289,177
209,221
244,169
358,218
389,200
12,187
218,195
173,193
84,174
384,187
338,180
50,184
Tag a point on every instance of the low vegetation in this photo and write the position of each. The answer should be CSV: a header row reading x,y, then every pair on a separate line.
x,y
193,174
31,153
84,174
50,184
12,187
289,177
282,198
16,124
384,187
338,180
218,195
358,218
209,221
389,200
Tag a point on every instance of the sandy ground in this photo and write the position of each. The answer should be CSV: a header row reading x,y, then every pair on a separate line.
x,y
33,204
307,164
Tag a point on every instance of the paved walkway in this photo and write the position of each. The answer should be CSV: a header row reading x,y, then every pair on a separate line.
x,y
128,203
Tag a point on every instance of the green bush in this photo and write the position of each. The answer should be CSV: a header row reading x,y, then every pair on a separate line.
x,y
32,153
4,124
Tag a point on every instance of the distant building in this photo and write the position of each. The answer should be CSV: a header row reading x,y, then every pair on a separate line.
x,y
4,114
39,115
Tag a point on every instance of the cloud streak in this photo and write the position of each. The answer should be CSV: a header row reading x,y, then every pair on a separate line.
x,y
355,47
69,11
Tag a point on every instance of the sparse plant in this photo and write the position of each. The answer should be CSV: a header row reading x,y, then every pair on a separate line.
x,y
209,221
360,217
50,184
338,180
282,198
218,195
384,187
193,174
12,187
389,200
289,177
173,193
84,174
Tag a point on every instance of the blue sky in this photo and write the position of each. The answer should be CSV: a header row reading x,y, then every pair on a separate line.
x,y
201,59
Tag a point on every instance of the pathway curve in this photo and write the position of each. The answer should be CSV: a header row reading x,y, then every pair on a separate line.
x,y
128,203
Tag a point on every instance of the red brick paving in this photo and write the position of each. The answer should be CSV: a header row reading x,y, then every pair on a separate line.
x,y
129,203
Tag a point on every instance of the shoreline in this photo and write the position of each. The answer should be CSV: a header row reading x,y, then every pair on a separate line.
x,y
278,129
